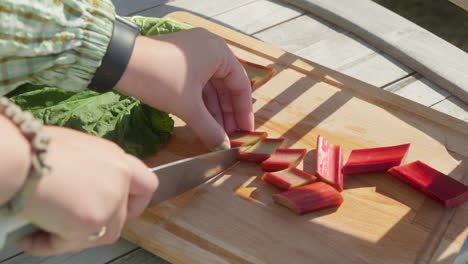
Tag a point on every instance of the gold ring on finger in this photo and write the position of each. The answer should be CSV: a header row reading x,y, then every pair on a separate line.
x,y
98,235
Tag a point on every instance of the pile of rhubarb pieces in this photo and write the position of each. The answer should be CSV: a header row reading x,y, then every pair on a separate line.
x,y
306,192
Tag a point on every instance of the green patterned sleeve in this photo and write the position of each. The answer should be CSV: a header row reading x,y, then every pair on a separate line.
x,y
58,43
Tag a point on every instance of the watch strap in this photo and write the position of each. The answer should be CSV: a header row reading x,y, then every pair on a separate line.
x,y
117,56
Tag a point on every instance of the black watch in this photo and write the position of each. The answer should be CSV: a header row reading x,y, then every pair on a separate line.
x,y
117,56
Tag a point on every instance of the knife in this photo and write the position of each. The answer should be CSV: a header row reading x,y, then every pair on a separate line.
x,y
174,178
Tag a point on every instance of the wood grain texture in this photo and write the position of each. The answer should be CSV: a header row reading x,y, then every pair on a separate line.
x,y
381,221
319,41
419,49
99,255
257,16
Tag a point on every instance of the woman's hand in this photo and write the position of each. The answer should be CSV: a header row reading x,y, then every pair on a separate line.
x,y
93,184
194,75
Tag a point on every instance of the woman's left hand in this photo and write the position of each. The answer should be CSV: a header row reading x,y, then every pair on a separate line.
x,y
194,75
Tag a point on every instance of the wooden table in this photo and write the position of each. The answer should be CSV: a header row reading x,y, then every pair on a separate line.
x,y
294,31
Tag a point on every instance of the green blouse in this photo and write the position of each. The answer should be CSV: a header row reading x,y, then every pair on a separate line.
x,y
59,43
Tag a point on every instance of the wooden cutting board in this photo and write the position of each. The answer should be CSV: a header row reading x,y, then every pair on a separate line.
x,y
382,220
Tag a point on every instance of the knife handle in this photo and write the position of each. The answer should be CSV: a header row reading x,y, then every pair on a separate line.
x,y
13,229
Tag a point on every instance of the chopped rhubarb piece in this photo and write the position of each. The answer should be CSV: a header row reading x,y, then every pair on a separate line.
x,y
375,159
309,198
258,74
261,151
283,159
246,138
432,182
329,163
289,178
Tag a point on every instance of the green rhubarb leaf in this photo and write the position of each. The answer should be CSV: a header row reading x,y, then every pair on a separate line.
x,y
153,26
137,128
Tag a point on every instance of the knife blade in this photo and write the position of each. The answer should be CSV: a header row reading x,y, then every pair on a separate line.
x,y
174,178
180,176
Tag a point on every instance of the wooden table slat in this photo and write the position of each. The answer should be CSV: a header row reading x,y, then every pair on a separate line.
x,y
453,107
424,52
8,252
423,91
257,16
126,7
324,43
203,8
140,256
298,33
419,89
377,69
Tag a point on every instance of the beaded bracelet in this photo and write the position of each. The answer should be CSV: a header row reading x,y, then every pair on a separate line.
x,y
32,130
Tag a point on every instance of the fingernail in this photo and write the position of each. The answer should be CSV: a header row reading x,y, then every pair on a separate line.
x,y
224,145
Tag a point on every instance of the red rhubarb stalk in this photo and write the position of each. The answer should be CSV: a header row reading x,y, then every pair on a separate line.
x,y
289,178
309,198
329,163
246,138
375,159
432,182
258,74
261,151
283,159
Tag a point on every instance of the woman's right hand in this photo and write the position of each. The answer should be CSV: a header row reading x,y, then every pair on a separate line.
x,y
93,183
